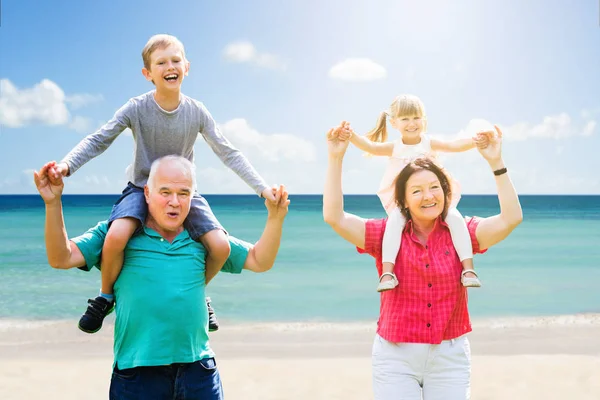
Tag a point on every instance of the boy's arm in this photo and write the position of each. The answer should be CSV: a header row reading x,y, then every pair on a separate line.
x,y
229,155
453,146
95,144
374,148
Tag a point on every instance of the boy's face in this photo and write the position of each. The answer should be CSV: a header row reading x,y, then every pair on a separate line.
x,y
167,68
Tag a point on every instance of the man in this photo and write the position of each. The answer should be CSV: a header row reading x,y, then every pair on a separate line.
x,y
161,348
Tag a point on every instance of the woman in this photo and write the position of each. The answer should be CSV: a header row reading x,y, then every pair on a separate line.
x,y
420,349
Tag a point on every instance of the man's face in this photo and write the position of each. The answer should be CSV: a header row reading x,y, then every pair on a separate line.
x,y
169,196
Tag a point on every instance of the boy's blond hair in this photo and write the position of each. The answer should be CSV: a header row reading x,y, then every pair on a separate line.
x,y
161,41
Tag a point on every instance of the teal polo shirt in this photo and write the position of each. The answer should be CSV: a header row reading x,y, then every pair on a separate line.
x,y
161,314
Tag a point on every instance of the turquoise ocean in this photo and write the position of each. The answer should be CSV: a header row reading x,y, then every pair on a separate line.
x,y
550,265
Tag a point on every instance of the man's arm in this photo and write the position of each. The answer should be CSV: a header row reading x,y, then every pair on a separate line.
x,y
62,253
261,256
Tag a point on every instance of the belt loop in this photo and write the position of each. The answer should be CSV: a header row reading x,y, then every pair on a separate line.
x,y
452,342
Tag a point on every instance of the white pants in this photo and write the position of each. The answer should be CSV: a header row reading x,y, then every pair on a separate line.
x,y
415,371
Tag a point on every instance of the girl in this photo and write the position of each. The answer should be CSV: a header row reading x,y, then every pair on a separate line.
x,y
407,114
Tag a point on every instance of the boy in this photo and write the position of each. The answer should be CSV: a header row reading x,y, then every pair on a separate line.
x,y
163,121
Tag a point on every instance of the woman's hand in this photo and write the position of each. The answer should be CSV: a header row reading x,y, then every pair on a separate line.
x,y
489,144
335,145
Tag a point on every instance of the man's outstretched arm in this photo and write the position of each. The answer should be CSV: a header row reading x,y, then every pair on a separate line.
x,y
261,256
62,253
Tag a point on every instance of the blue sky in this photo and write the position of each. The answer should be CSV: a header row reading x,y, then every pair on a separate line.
x,y
277,75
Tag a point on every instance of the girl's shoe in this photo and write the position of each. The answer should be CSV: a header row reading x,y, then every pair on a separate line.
x,y
387,285
470,281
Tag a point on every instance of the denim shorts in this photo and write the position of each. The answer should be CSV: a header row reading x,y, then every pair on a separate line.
x,y
132,204
199,380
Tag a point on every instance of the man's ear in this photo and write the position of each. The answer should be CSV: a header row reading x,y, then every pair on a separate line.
x,y
147,193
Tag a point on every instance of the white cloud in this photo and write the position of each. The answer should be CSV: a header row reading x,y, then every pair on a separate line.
x,y
81,100
45,103
357,70
556,127
245,52
81,124
268,147
589,128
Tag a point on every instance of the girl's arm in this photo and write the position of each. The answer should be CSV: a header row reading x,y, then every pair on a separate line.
x,y
374,148
453,146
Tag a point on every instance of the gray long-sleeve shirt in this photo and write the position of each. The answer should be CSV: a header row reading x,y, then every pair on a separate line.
x,y
158,133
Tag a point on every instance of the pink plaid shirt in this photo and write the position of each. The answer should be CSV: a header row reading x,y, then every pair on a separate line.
x,y
430,303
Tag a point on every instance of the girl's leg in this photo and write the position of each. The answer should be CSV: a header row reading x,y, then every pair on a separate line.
x,y
464,248
392,239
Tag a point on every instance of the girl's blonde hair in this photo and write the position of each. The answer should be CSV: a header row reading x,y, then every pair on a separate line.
x,y
161,41
405,105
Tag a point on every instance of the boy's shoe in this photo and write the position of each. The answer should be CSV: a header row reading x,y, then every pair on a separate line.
x,y
387,285
213,324
97,310
470,281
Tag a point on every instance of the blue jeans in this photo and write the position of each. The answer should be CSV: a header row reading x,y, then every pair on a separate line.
x,y
199,380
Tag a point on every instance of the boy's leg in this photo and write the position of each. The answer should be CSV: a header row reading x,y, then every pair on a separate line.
x,y
392,239
464,248
203,226
119,233
128,213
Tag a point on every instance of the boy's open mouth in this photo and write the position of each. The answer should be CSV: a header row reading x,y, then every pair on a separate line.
x,y
171,77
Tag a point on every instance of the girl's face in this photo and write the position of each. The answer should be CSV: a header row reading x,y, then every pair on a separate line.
x,y
410,127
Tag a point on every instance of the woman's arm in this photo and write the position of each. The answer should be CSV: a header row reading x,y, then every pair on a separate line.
x,y
494,229
453,146
348,226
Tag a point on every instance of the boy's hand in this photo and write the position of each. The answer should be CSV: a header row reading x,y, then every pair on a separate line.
x,y
60,169
269,194
49,188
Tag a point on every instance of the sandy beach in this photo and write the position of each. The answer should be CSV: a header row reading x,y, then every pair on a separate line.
x,y
534,358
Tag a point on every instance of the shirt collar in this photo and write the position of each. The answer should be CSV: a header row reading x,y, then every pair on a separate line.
x,y
183,235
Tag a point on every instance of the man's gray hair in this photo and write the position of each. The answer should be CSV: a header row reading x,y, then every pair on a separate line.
x,y
179,162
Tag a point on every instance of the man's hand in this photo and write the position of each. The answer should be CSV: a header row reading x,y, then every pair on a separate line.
x,y
278,209
49,183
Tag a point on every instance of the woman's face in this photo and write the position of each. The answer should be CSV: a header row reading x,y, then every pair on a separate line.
x,y
424,196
